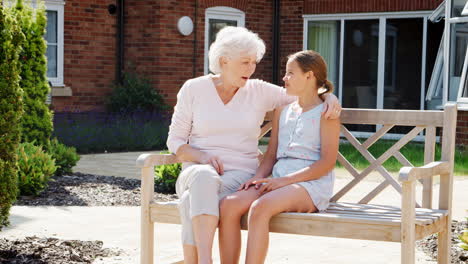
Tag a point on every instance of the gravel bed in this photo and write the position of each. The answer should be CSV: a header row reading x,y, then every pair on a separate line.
x,y
34,250
82,189
459,256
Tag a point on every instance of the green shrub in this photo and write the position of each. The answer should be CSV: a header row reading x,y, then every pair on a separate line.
x,y
65,157
35,167
36,123
166,177
135,94
11,109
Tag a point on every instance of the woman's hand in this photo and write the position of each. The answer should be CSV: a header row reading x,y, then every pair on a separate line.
x,y
214,161
332,107
246,185
271,184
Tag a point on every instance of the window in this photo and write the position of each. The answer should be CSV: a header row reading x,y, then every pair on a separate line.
x,y
374,60
54,38
324,37
217,18
462,97
454,54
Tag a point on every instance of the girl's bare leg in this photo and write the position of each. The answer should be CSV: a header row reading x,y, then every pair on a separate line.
x,y
291,198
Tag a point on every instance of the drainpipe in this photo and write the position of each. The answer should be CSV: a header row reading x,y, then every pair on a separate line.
x,y
195,40
276,41
120,42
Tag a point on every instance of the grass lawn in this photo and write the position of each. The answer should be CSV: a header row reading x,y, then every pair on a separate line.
x,y
413,151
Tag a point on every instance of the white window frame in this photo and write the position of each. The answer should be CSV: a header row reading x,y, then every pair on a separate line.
x,y
220,12
463,101
58,6
449,22
382,17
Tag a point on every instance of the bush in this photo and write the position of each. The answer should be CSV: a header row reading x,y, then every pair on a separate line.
x,y
166,177
36,123
11,109
35,167
135,94
94,132
65,157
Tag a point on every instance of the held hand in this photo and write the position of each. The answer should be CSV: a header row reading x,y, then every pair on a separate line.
x,y
271,184
332,107
214,161
249,183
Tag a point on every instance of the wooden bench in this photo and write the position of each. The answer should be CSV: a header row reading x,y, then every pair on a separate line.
x,y
359,220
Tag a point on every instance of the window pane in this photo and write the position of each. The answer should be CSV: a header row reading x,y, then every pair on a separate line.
x,y
403,53
360,63
465,88
360,60
51,29
464,78
457,7
216,25
324,37
459,41
434,65
52,61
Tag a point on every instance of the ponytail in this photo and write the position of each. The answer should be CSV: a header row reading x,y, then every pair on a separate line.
x,y
327,87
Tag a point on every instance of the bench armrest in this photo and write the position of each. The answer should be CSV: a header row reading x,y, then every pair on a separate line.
x,y
151,160
429,170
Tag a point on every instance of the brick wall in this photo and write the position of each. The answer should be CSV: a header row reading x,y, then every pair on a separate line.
x,y
462,129
159,51
89,55
291,28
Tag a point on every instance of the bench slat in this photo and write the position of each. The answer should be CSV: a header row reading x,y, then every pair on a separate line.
x,y
380,228
167,212
393,117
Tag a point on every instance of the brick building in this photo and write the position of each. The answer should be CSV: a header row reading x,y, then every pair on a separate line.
x,y
396,45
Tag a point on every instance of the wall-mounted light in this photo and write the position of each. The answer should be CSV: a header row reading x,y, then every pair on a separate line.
x,y
185,25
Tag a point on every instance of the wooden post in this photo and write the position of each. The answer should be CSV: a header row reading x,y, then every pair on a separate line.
x,y
408,214
446,182
147,226
429,150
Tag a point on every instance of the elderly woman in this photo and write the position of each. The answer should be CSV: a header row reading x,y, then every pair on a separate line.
x,y
214,132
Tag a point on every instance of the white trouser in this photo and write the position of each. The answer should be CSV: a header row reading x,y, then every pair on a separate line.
x,y
200,189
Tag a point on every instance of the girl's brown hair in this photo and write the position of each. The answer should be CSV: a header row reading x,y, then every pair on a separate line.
x,y
309,60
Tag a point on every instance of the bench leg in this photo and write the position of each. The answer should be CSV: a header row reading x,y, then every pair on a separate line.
x,y
408,229
408,251
147,242
443,246
146,225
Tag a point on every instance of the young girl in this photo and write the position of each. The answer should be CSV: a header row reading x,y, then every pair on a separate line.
x,y
301,155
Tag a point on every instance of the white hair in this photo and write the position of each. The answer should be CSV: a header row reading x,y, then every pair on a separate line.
x,y
231,42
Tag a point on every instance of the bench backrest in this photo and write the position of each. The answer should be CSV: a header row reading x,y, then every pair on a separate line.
x,y
420,120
